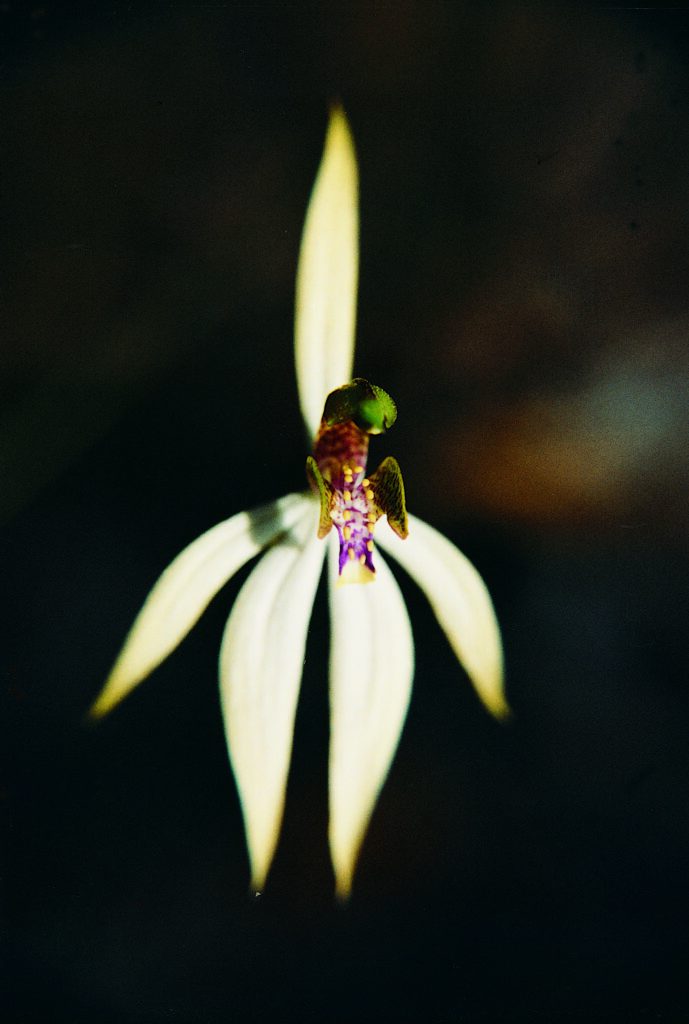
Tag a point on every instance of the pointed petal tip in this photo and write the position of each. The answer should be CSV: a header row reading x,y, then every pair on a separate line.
x,y
339,131
114,690
500,710
490,692
95,713
257,885
490,685
343,888
489,681
337,109
261,859
91,718
344,856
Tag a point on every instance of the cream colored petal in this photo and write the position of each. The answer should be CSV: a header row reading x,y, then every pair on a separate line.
x,y
261,663
325,313
460,601
186,588
371,670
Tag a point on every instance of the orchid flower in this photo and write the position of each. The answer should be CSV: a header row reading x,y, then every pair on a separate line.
x,y
371,646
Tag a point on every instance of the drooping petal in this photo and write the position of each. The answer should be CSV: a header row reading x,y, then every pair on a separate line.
x,y
371,670
460,601
325,311
261,661
187,586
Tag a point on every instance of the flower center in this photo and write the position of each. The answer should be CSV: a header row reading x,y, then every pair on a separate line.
x,y
351,500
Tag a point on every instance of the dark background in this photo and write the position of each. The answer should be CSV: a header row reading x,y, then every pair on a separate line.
x,y
525,255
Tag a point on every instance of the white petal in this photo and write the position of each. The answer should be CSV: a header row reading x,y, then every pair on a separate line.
x,y
261,662
325,313
187,587
461,603
371,670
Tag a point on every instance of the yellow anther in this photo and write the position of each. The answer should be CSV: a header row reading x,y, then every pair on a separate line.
x,y
347,532
347,495
346,515
362,558
369,545
351,554
359,469
369,494
365,482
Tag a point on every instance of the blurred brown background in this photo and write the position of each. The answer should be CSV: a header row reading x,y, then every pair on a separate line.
x,y
525,252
